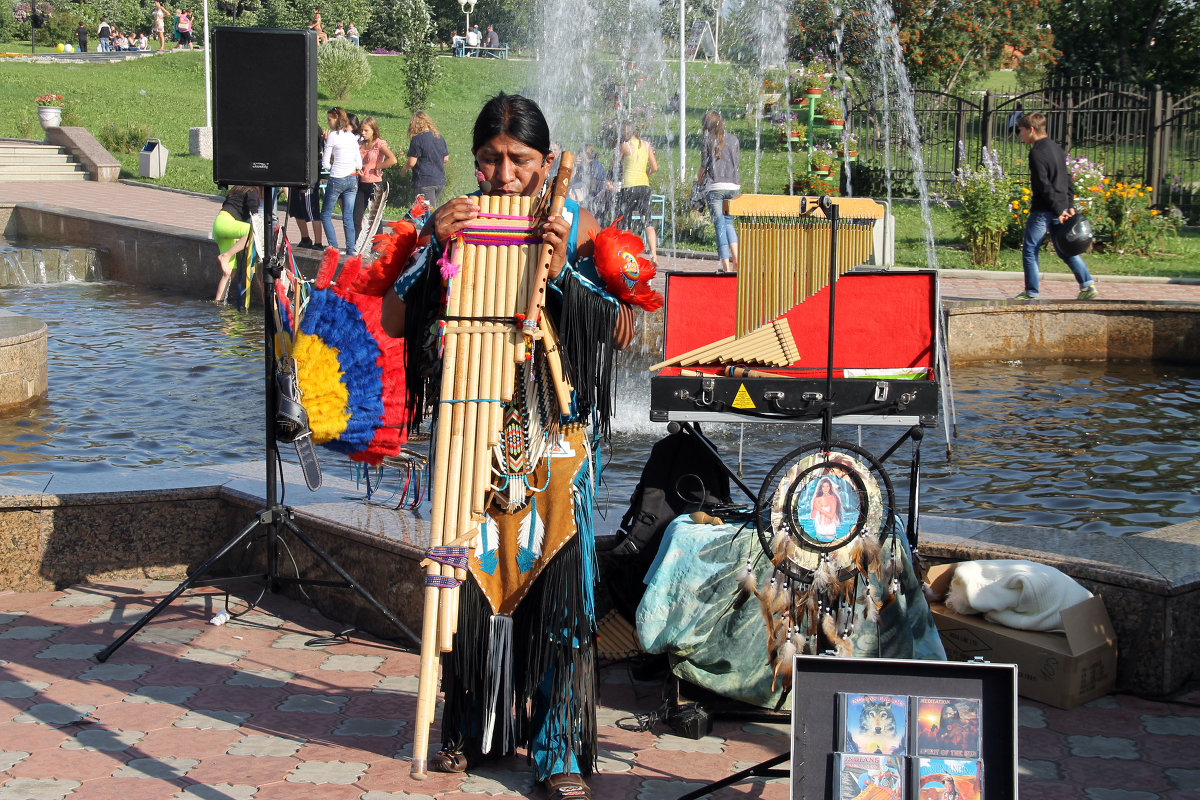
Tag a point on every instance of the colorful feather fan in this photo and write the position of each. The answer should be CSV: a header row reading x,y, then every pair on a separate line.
x,y
350,372
625,273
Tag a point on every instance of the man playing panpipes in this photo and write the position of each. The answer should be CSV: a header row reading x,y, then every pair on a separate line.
x,y
521,670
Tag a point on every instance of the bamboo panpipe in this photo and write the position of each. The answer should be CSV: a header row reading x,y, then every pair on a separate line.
x,y
427,682
785,250
769,345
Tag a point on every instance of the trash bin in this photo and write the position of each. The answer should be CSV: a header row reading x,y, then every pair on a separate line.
x,y
152,160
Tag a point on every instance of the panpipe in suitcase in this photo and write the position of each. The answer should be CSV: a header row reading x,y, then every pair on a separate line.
x,y
784,247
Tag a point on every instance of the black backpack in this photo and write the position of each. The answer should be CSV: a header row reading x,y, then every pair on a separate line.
x,y
681,475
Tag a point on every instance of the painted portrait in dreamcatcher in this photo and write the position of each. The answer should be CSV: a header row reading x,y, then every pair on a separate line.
x,y
819,505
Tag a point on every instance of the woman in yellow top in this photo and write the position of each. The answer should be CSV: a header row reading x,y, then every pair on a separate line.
x,y
637,165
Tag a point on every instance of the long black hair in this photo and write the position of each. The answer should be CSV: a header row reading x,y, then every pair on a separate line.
x,y
512,115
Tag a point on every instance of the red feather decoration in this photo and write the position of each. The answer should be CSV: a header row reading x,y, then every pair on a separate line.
x,y
329,265
394,250
625,273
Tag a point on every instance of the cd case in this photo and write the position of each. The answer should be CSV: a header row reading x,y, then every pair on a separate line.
x,y
947,778
948,727
872,723
859,776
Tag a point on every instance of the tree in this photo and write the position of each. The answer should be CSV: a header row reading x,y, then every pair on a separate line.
x,y
948,41
421,70
813,26
1157,41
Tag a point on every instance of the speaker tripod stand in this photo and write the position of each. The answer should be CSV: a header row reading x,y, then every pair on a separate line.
x,y
272,522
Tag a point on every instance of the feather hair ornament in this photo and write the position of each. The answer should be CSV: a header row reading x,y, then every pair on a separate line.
x,y
783,663
625,273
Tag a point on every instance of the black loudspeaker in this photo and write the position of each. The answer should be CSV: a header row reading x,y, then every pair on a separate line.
x,y
264,106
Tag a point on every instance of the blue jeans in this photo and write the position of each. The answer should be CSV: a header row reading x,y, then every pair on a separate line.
x,y
345,188
726,235
1036,227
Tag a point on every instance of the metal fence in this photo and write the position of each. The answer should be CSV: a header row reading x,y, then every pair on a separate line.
x,y
1137,135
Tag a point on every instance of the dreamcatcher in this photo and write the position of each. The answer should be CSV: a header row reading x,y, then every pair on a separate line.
x,y
825,520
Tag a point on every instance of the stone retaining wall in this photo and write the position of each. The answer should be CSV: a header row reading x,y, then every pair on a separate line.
x,y
1074,331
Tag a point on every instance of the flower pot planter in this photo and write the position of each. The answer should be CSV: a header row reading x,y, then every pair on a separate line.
x,y
814,90
800,102
49,116
835,123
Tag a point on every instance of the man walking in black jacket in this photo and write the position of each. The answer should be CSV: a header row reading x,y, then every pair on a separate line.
x,y
1052,205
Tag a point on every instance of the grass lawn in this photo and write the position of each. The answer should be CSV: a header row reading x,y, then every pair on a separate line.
x,y
1181,261
163,97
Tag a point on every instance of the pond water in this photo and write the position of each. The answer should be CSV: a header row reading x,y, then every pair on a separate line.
x,y
140,379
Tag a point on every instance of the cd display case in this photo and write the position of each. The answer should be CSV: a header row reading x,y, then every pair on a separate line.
x,y
824,686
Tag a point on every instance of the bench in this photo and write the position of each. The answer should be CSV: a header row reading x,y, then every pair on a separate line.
x,y
482,52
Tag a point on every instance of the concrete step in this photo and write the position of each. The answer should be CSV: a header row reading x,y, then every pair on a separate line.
x,y
35,158
46,178
30,161
30,149
22,168
42,172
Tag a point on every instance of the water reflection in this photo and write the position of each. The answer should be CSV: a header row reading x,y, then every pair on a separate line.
x,y
1099,447
140,379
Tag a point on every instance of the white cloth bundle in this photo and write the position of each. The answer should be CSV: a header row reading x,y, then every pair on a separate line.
x,y
1019,594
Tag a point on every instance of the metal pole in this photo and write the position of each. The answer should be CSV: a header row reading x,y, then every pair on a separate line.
x,y
682,90
207,73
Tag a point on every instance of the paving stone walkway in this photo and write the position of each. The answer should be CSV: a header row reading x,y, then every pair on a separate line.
x,y
252,711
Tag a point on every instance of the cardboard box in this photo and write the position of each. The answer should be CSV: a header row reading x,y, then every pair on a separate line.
x,y
1059,669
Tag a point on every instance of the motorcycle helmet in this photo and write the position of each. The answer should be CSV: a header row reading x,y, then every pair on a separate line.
x,y
1073,237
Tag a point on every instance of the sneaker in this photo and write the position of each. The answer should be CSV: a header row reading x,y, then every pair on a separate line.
x,y
306,243
1026,296
1088,293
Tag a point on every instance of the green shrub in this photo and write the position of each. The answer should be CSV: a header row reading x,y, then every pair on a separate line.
x,y
1127,223
126,137
24,122
984,208
341,68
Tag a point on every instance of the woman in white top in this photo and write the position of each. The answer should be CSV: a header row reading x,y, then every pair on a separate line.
x,y
343,160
